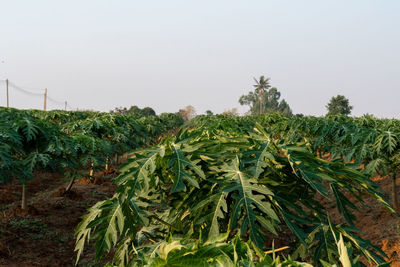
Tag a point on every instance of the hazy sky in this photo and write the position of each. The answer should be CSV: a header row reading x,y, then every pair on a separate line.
x,y
168,54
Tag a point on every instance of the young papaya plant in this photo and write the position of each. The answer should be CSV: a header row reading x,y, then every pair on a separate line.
x,y
207,181
36,137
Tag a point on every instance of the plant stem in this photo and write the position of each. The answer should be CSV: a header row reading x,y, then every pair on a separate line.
x,y
24,191
91,170
71,182
394,192
116,159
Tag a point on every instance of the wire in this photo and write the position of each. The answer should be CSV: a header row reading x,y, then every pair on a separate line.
x,y
23,90
55,101
37,93
69,107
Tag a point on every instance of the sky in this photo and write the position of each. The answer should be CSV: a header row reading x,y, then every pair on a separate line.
x,y
99,54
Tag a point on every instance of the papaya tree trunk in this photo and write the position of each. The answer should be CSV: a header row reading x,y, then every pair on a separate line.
x,y
116,159
91,170
24,198
107,167
394,192
70,184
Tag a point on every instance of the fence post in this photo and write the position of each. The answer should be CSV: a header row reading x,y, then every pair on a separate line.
x,y
45,98
8,102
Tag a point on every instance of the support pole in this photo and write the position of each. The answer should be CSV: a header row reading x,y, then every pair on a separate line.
x,y
65,105
8,101
45,99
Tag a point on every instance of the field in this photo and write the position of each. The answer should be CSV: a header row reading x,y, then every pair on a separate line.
x,y
217,190
44,235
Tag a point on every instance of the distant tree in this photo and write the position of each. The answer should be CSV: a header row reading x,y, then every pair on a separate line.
x,y
265,99
135,110
339,105
187,113
147,111
120,110
261,86
209,112
284,108
232,111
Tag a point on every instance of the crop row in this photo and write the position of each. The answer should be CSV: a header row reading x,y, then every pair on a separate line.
x,y
224,187
68,142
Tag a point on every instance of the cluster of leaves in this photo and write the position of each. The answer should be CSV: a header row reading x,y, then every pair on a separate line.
x,y
339,105
375,143
135,110
59,140
265,99
218,252
27,143
230,177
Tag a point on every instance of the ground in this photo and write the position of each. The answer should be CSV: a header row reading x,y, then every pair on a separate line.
x,y
44,235
381,227
377,224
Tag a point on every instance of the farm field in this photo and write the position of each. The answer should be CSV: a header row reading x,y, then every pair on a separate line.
x,y
44,235
200,134
217,190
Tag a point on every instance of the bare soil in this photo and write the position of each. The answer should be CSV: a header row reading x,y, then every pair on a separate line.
x,y
43,234
376,223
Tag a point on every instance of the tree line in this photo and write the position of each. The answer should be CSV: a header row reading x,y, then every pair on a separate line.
x,y
263,99
266,99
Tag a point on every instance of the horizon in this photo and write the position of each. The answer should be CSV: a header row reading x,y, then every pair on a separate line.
x,y
99,55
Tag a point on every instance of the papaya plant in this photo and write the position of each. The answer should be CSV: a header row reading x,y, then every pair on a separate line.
x,y
207,181
386,159
39,141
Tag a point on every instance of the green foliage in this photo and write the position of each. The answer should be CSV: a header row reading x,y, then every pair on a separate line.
x,y
339,105
135,110
265,99
33,140
220,252
240,177
226,175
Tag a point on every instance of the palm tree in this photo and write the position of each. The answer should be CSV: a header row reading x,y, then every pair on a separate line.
x,y
261,86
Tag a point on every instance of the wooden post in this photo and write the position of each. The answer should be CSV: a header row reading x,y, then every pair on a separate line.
x,y
45,99
8,102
